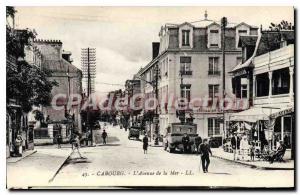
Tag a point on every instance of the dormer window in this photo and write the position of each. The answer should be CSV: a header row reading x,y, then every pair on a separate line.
x,y
185,37
214,36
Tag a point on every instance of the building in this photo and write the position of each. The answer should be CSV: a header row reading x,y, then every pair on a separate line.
x,y
17,120
68,77
189,65
266,78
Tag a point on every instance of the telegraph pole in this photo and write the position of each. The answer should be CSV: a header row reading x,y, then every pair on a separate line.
x,y
223,24
156,108
88,61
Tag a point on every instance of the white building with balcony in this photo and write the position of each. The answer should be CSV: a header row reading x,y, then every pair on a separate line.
x,y
267,75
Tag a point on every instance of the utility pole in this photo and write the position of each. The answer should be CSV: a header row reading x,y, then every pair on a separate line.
x,y
223,24
181,112
88,60
156,108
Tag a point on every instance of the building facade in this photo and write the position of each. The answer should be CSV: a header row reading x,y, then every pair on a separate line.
x,y
268,73
68,77
189,65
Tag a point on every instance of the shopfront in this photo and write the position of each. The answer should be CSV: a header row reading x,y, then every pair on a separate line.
x,y
266,126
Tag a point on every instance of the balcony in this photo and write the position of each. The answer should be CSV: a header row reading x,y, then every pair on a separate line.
x,y
186,72
274,60
214,73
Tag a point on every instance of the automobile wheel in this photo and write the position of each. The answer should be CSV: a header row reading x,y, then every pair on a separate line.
x,y
172,150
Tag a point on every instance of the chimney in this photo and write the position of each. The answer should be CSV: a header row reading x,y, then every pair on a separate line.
x,y
155,49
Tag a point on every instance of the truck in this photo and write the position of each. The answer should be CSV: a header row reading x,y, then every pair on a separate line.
x,y
174,135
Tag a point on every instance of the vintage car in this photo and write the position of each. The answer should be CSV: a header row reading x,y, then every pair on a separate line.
x,y
173,138
134,132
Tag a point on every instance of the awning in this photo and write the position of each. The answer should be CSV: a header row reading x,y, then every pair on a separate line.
x,y
260,113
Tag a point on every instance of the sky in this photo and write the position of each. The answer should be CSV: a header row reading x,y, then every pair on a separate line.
x,y
123,36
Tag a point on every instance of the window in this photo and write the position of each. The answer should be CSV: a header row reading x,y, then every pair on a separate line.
x,y
185,92
185,38
185,65
213,91
242,32
214,38
280,82
213,126
244,91
213,66
262,85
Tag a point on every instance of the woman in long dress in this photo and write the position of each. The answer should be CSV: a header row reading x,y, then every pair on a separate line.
x,y
145,144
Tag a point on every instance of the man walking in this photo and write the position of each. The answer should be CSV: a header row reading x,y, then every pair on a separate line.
x,y
104,135
204,150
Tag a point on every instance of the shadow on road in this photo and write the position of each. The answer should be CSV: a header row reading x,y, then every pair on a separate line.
x,y
216,173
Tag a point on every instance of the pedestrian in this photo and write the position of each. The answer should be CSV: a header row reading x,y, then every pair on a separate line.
x,y
235,144
19,145
104,136
145,144
77,145
279,152
185,142
244,147
59,140
204,150
198,141
252,151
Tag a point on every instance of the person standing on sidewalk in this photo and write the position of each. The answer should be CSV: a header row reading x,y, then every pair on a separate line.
x,y
18,145
145,144
235,144
104,136
58,140
204,150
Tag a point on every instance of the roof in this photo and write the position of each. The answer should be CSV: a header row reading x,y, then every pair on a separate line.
x,y
248,63
247,40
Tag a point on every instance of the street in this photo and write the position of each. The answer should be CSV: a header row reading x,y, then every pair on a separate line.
x,y
123,163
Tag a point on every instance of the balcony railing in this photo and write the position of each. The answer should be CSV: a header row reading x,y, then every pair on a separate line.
x,y
214,72
186,72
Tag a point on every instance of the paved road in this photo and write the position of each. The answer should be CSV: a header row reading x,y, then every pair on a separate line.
x,y
122,163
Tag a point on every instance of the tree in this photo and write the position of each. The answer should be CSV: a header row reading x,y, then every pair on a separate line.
x,y
283,25
28,84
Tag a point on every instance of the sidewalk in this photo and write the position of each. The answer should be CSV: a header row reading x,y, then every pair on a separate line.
x,y
24,155
288,165
36,169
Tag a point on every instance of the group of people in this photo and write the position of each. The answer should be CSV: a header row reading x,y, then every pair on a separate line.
x,y
242,145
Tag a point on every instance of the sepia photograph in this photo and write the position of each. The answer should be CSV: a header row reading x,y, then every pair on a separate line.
x,y
160,97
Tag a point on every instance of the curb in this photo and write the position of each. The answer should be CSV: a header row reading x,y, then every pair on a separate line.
x,y
60,167
21,158
254,166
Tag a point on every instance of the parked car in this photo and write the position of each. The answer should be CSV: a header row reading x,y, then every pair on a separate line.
x,y
173,138
134,132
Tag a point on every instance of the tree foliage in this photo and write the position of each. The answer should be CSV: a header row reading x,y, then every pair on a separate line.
x,y
28,84
283,25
